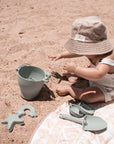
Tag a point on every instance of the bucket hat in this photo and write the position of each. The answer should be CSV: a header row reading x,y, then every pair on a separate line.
x,y
88,37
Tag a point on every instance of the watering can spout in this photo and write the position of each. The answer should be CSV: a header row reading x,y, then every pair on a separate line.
x,y
47,76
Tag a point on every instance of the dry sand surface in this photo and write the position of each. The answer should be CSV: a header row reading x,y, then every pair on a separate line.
x,y
30,30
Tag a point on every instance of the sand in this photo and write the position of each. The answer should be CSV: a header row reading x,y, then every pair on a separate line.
x,y
30,30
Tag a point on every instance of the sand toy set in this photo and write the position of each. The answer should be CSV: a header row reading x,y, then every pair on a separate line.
x,y
82,113
31,80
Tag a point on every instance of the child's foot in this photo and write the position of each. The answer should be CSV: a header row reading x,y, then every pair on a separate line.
x,y
72,78
72,91
62,91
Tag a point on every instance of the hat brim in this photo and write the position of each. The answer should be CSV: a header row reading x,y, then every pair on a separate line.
x,y
86,48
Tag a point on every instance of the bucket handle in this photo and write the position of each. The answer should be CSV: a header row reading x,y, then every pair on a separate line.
x,y
25,64
47,76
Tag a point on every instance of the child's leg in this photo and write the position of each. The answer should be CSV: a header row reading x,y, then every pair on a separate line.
x,y
72,78
62,91
89,95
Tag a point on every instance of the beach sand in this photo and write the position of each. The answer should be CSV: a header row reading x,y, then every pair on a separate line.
x,y
30,31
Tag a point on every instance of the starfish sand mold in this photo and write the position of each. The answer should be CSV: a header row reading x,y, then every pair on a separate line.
x,y
12,120
16,118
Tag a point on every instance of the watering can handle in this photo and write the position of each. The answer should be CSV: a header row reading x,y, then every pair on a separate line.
x,y
47,76
25,64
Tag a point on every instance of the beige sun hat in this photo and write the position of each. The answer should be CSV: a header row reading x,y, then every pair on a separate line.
x,y
88,37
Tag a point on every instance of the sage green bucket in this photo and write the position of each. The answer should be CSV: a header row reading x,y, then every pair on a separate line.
x,y
31,80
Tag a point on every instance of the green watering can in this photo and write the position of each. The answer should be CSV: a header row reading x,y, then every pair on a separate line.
x,y
31,80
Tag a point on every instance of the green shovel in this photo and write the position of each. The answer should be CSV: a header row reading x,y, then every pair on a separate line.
x,y
89,123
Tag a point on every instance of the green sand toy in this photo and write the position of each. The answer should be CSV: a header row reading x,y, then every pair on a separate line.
x,y
80,109
14,119
31,80
89,123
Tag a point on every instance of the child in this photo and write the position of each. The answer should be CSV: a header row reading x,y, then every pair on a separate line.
x,y
89,38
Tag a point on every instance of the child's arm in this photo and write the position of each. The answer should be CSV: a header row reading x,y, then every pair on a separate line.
x,y
88,73
63,55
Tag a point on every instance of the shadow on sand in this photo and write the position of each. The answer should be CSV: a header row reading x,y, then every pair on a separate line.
x,y
45,94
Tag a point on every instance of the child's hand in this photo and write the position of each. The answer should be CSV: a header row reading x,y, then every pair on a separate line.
x,y
55,57
69,67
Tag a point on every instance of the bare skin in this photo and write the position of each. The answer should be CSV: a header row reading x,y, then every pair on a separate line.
x,y
71,77
91,94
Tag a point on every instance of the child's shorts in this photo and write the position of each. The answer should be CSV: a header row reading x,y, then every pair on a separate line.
x,y
108,92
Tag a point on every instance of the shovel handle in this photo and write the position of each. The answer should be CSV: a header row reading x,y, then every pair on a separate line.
x,y
71,118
